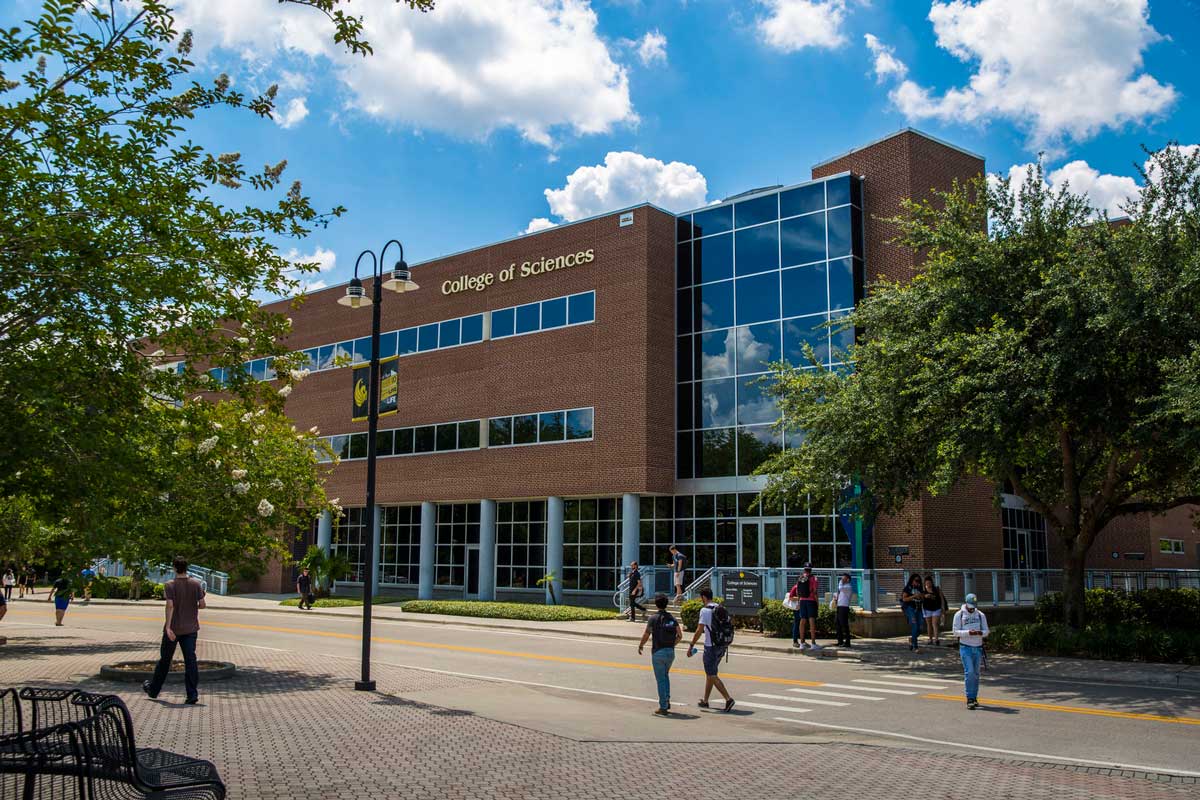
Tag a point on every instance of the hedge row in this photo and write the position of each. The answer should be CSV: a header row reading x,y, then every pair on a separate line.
x,y
1169,609
773,618
524,611
339,602
1114,643
109,588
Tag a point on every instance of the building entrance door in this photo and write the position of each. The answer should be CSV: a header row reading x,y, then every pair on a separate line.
x,y
760,543
471,587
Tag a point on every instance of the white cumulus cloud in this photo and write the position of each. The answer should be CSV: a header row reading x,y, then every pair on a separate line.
x,y
886,63
295,111
791,25
625,179
1059,68
652,47
538,224
325,259
468,68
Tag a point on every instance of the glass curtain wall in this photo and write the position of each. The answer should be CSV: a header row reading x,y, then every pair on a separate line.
x,y
400,545
759,280
520,544
349,536
591,544
457,527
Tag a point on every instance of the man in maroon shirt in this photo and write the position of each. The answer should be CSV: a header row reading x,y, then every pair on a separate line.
x,y
185,598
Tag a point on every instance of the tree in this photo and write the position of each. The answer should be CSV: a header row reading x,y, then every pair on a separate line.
x,y
1040,347
111,238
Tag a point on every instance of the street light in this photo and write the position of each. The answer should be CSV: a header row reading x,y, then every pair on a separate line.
x,y
400,281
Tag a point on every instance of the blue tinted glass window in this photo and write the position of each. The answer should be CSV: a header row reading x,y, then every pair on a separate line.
x,y
683,264
758,298
217,374
581,308
802,200
579,423
752,212
358,445
753,404
712,220
499,431
842,339
362,349
755,446
340,446
551,427
713,258
427,337
839,232
683,407
525,429
683,358
450,333
683,456
717,400
325,357
385,443
757,249
387,344
341,353
528,317
804,290
503,322
837,191
683,227
802,239
554,313
714,453
683,311
717,358
447,436
714,305
758,347
406,341
468,435
269,372
856,192
472,329
310,358
423,439
258,369
841,284
404,441
806,330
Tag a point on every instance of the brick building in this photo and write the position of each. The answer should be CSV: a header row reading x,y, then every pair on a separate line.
x,y
578,398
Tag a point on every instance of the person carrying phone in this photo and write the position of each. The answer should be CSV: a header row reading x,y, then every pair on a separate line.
x,y
971,628
911,601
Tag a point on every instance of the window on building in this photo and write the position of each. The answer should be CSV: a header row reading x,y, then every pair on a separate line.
x,y
576,309
349,537
546,427
591,545
1024,539
457,527
520,544
1172,546
400,545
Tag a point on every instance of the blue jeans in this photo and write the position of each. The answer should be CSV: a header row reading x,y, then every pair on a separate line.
x,y
971,656
796,625
912,613
166,652
662,659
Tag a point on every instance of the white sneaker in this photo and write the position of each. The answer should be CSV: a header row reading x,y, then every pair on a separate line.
x,y
804,645
816,646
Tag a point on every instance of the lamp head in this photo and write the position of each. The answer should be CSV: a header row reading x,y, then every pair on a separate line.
x,y
355,294
401,279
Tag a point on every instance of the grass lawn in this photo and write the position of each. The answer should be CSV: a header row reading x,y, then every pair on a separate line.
x,y
338,602
524,611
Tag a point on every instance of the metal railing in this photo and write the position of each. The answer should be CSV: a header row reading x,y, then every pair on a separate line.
x,y
880,588
212,580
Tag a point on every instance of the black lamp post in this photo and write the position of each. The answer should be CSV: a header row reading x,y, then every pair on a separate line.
x,y
400,281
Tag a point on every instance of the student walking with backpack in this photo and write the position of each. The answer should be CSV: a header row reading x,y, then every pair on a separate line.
x,y
717,628
678,567
971,628
804,607
911,601
665,632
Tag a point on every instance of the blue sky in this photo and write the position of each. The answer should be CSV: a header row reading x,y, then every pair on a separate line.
x,y
451,134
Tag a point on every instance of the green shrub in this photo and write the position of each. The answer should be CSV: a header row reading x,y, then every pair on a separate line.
x,y
109,588
689,613
524,611
1172,609
777,620
1115,643
339,602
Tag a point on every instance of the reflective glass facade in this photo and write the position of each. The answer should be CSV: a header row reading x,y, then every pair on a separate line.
x,y
759,279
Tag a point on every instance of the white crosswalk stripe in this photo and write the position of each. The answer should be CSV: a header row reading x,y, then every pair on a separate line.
x,y
788,709
800,700
905,684
836,694
867,688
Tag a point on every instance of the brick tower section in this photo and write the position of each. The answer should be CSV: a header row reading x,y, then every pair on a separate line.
x,y
961,527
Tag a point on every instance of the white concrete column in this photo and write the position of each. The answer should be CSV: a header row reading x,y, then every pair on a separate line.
x,y
325,531
554,546
631,528
487,550
428,550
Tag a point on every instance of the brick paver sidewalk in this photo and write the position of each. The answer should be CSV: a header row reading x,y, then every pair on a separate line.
x,y
290,727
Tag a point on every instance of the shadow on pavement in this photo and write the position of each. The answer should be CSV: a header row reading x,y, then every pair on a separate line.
x,y
20,647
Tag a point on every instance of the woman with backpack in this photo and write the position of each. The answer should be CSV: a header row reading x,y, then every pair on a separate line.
x,y
666,633
802,599
933,607
911,600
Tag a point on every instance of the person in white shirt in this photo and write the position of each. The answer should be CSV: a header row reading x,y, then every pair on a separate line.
x,y
971,628
845,591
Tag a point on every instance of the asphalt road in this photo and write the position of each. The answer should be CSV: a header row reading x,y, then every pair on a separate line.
x,y
601,690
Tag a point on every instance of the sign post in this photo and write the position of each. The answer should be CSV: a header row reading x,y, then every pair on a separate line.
x,y
741,592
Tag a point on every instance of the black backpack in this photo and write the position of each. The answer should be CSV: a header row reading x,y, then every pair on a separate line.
x,y
665,631
721,629
803,589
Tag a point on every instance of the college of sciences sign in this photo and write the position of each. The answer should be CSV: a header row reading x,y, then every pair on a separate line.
x,y
526,269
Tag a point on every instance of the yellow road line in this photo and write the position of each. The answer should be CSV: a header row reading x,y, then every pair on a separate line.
x,y
1095,712
459,648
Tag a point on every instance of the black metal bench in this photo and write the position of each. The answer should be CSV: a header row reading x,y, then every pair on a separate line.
x,y
57,743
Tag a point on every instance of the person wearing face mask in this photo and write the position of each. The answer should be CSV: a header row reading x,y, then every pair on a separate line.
x,y
971,628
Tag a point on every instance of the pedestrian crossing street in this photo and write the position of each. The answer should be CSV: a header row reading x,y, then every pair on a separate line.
x,y
841,695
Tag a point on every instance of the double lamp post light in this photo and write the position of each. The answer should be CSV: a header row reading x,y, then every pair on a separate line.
x,y
399,282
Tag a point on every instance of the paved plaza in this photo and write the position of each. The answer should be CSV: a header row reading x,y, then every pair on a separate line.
x,y
290,726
